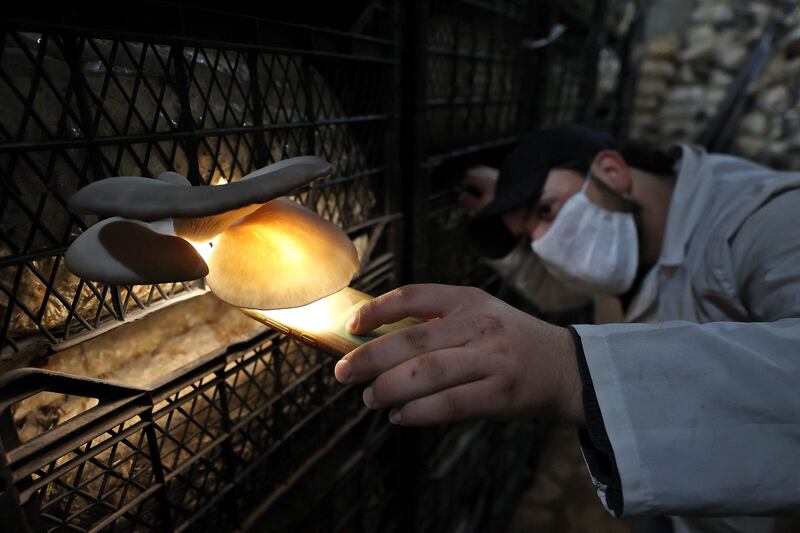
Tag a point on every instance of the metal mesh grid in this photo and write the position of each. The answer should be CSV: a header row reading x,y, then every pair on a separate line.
x,y
80,108
263,431
452,258
566,95
214,446
488,462
484,87
258,420
474,66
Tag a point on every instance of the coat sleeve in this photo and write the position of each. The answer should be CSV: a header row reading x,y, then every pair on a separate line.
x,y
704,419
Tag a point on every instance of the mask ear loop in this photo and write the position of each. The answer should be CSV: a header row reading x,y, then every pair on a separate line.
x,y
586,181
626,197
590,176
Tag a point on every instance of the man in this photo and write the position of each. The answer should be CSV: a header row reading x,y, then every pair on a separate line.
x,y
690,409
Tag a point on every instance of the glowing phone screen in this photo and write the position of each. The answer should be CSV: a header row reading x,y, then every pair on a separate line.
x,y
323,322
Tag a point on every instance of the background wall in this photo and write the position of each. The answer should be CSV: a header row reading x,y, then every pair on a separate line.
x,y
723,73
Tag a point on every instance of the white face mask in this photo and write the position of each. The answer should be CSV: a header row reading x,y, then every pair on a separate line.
x,y
590,248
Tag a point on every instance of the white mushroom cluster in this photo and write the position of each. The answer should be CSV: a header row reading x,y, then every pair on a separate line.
x,y
256,249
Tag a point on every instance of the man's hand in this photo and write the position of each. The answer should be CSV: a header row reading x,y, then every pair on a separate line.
x,y
474,357
480,183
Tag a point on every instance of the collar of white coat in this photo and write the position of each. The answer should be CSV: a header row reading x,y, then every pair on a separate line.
x,y
686,206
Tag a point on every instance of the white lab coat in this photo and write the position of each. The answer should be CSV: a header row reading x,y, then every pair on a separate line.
x,y
700,391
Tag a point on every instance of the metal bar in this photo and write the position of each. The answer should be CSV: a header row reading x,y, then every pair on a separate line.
x,y
78,84
124,511
381,270
393,186
629,76
36,223
261,157
364,226
158,470
53,145
499,59
490,71
259,511
28,107
130,317
413,140
25,309
467,101
188,140
528,86
310,112
592,45
542,21
49,284
23,518
60,297
491,7
262,23
66,438
33,26
436,159
450,102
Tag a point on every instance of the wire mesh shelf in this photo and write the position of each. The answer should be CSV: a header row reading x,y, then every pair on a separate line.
x,y
401,98
80,108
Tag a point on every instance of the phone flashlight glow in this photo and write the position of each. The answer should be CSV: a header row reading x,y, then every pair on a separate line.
x,y
326,314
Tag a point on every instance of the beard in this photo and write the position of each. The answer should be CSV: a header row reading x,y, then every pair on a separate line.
x,y
636,209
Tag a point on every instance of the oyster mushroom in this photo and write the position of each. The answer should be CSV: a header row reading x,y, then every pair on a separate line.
x,y
148,199
119,251
282,255
256,251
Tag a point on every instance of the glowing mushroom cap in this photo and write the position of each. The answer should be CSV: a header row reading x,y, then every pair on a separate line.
x,y
282,255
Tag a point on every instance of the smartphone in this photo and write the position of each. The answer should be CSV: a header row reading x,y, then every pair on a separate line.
x,y
321,323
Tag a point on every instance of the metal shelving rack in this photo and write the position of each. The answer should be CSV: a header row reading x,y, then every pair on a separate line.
x,y
401,98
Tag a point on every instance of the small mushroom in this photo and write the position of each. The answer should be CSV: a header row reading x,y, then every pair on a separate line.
x,y
282,255
119,251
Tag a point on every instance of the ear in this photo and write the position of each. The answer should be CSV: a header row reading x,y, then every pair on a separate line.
x,y
610,168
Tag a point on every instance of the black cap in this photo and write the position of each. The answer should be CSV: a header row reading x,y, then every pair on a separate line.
x,y
522,177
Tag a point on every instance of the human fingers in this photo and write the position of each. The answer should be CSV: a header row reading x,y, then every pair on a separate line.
x,y
462,402
423,301
424,375
379,355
